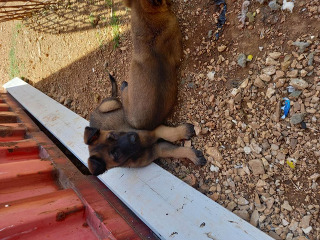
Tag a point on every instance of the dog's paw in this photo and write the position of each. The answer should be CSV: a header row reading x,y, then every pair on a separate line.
x,y
201,161
189,130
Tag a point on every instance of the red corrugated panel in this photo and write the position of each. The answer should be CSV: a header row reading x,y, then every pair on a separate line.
x,y
44,196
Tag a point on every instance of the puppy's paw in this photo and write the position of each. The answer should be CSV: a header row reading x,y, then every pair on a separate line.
x,y
201,161
189,130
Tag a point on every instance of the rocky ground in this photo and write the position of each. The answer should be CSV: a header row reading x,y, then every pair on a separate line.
x,y
264,168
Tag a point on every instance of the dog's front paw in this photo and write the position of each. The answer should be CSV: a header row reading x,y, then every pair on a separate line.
x,y
189,130
201,161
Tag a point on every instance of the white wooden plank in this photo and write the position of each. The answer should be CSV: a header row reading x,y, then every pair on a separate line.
x,y
170,207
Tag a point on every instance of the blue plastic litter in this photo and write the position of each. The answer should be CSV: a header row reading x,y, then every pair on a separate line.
x,y
285,108
222,17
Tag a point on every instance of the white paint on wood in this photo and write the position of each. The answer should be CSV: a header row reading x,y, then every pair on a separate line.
x,y
170,207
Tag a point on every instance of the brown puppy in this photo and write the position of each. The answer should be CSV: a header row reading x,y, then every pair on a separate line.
x,y
151,89
113,142
147,98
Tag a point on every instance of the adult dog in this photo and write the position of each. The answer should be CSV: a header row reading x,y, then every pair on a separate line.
x,y
147,98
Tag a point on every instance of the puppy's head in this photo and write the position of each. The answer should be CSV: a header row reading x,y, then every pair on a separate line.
x,y
109,149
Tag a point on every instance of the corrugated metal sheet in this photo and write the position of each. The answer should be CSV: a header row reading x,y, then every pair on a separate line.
x,y
44,196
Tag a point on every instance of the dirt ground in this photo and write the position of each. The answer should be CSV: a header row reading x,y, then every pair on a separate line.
x,y
261,167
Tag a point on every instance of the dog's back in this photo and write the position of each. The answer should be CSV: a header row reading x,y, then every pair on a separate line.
x,y
152,84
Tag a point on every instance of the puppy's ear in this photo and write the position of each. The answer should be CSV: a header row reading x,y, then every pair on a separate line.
x,y
91,135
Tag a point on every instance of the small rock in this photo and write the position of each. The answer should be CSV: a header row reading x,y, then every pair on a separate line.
x,y
197,130
303,73
297,118
293,73
231,206
210,75
265,77
295,94
221,48
242,60
269,70
242,201
215,196
270,92
307,230
214,152
310,58
305,221
190,180
256,167
242,214
286,206
275,55
274,5
270,61
214,168
254,218
247,150
259,83
301,45
298,83
286,62
255,147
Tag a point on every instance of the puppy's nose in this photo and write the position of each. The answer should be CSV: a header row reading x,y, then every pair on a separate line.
x,y
97,166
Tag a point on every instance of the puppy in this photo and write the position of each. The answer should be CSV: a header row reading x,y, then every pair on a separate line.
x,y
113,142
151,89
146,98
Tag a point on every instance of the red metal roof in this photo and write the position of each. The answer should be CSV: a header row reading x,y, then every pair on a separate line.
x,y
44,196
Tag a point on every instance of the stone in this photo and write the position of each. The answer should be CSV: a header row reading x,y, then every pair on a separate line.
x,y
256,166
274,5
297,118
254,218
247,150
286,62
242,214
279,74
210,75
269,70
295,94
270,61
221,48
255,147
301,45
242,60
242,201
231,206
265,77
214,168
270,92
298,83
286,206
275,55
305,221
190,180
259,83
307,230
293,73
215,153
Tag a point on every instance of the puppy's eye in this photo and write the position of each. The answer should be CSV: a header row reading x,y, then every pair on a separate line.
x,y
114,154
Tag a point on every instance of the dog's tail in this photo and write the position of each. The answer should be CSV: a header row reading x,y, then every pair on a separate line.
x,y
114,88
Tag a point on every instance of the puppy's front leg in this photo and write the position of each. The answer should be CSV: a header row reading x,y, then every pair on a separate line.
x,y
170,134
168,150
